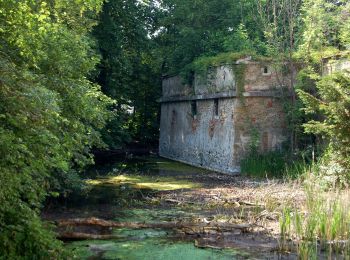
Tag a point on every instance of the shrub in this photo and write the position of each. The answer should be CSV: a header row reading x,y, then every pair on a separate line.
x,y
333,119
49,114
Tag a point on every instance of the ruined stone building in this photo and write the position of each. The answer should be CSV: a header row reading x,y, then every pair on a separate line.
x,y
337,63
213,122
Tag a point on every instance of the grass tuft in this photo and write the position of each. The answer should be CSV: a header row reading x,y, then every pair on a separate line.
x,y
273,165
321,228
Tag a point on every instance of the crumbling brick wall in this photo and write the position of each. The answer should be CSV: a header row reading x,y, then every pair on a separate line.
x,y
216,133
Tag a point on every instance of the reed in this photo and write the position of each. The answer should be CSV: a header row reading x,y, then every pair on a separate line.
x,y
321,228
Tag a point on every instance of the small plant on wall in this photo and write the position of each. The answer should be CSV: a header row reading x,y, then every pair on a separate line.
x,y
254,143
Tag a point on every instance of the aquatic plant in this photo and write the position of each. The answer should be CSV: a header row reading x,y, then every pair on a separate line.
x,y
319,229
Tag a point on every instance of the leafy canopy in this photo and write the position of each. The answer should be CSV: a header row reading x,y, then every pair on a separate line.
x,y
50,112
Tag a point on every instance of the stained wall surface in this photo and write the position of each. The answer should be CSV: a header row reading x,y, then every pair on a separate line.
x,y
174,87
203,140
218,135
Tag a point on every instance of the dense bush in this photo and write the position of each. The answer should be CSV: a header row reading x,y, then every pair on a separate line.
x,y
49,113
333,122
326,97
129,71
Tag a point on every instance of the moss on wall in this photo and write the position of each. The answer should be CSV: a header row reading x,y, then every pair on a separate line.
x,y
201,65
239,71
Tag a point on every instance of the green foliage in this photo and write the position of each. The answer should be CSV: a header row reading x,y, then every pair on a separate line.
x,y
263,165
129,71
204,63
254,143
325,28
322,230
296,116
193,29
228,58
28,238
49,114
345,27
280,22
272,165
240,41
332,105
325,99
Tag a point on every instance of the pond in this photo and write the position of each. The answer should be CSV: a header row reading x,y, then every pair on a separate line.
x,y
151,191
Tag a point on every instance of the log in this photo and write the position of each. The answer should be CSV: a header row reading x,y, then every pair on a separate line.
x,y
163,225
193,229
203,245
178,201
85,236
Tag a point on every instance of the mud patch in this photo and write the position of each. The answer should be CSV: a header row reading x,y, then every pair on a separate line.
x,y
157,191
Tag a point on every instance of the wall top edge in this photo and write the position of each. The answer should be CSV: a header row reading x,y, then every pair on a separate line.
x,y
221,95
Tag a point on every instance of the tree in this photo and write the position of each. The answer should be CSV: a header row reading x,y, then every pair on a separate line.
x,y
281,23
191,29
333,104
325,25
327,97
50,113
129,71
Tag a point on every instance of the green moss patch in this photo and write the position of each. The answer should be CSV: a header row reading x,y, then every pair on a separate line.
x,y
203,63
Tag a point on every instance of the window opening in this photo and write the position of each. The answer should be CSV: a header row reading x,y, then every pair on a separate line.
x,y
266,70
216,107
194,108
191,78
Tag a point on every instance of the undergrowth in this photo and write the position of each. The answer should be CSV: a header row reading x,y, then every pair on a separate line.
x,y
321,227
273,165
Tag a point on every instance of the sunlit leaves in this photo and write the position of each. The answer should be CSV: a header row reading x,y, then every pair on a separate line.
x,y
333,107
50,113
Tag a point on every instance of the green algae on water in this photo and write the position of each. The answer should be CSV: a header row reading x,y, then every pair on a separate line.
x,y
149,249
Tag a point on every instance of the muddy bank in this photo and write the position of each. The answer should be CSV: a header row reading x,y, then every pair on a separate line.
x,y
167,207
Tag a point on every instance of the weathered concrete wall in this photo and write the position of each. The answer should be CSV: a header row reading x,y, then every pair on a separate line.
x,y
220,141
342,64
257,77
204,140
174,87
218,79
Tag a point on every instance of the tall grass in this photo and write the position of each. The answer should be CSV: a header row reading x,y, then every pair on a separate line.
x,y
273,165
321,228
